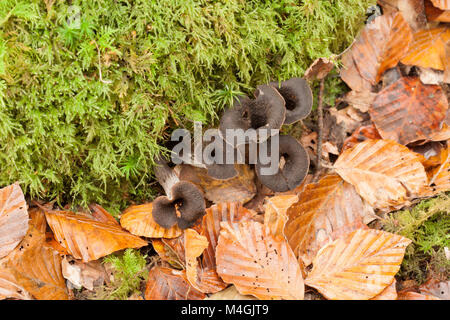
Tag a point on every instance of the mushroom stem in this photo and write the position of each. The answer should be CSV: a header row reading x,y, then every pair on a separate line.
x,y
166,177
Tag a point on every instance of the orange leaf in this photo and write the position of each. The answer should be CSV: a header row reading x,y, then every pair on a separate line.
x,y
361,134
440,176
88,239
436,14
324,208
169,253
358,266
139,221
379,47
428,48
275,216
442,4
169,284
410,295
194,245
389,293
257,263
439,289
13,218
9,288
408,111
100,214
383,172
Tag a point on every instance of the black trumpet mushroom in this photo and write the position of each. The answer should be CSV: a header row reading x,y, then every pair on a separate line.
x,y
298,97
294,165
183,204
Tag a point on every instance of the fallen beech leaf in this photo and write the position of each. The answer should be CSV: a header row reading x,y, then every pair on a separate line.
x,y
432,154
430,76
87,239
442,4
350,74
436,14
348,118
258,264
9,288
230,293
379,47
428,48
169,284
169,254
322,209
444,133
138,220
13,218
275,216
240,188
319,69
100,214
389,293
383,172
358,266
439,289
440,176
447,61
83,275
410,295
361,134
360,100
412,10
194,245
409,111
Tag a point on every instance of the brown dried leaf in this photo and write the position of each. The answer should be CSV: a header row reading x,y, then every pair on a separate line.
x,y
360,100
169,254
385,173
379,47
442,4
358,266
249,257
436,14
87,239
100,214
412,10
409,111
241,188
440,176
230,293
319,69
428,48
275,216
9,288
389,293
361,134
439,289
13,218
194,245
169,284
410,295
83,275
323,209
138,220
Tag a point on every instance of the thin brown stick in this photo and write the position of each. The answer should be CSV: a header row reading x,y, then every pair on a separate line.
x,y
320,133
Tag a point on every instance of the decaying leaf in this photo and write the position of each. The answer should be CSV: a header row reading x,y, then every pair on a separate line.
x,y
258,264
361,134
322,210
436,14
408,111
360,100
441,4
440,176
83,275
87,239
385,173
9,288
138,220
358,266
319,69
167,253
230,293
439,289
169,284
13,218
194,245
389,293
428,48
411,295
275,216
241,188
100,214
380,46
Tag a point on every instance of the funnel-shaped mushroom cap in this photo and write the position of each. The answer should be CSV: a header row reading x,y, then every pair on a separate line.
x,y
267,111
294,170
235,118
187,199
298,96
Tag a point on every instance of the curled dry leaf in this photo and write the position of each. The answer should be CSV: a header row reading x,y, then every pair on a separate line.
x,y
441,4
230,293
358,266
428,48
258,264
241,188
412,10
194,245
436,14
361,134
169,252
380,46
439,289
275,216
319,69
169,284
408,111
323,209
389,293
384,173
83,275
87,239
411,295
138,220
13,218
440,176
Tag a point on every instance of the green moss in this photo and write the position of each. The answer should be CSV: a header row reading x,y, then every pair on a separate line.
x,y
84,108
129,271
428,226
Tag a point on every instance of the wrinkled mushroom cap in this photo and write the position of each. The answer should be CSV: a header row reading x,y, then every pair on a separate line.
x,y
235,118
187,198
295,167
298,96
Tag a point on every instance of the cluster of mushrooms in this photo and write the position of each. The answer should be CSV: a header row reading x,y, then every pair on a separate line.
x,y
274,104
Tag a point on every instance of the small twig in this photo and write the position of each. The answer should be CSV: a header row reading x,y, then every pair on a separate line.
x,y
320,133
100,65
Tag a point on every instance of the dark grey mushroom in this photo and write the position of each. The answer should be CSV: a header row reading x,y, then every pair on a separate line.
x,y
294,166
298,96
